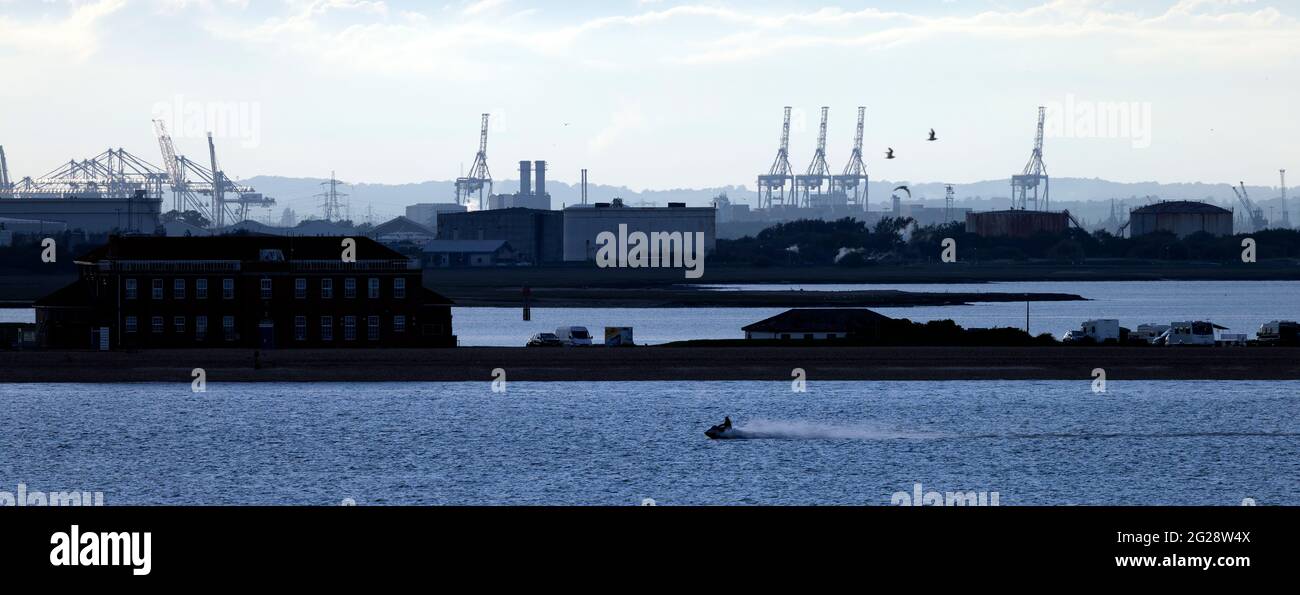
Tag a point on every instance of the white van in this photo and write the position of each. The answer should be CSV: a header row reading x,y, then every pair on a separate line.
x,y
574,335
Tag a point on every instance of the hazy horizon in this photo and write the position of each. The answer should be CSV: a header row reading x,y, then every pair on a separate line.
x,y
655,94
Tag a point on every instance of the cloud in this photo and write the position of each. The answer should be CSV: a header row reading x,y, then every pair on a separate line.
x,y
75,34
697,34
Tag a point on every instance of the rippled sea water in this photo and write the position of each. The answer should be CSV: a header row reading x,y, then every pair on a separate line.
x,y
1033,442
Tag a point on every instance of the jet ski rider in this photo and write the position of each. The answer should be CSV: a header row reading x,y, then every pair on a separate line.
x,y
726,423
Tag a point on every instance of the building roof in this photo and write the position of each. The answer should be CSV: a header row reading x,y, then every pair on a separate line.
x,y
464,246
310,227
72,295
1183,206
818,320
246,248
400,226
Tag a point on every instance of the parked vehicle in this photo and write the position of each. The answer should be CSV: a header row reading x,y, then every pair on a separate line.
x,y
1231,340
1094,331
575,336
1148,332
545,340
1197,332
1279,332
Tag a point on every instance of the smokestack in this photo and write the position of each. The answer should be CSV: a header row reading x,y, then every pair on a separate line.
x,y
525,178
541,178
584,186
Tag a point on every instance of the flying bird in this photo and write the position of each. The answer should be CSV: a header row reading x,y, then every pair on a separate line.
x,y
932,136
890,153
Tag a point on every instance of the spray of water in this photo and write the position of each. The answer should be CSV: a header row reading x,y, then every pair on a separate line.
x,y
758,429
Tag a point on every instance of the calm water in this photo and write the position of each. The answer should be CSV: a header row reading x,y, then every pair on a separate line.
x,y
1240,306
1055,442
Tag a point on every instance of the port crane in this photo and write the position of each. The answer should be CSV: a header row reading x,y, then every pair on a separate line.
x,y
818,172
1024,186
772,186
205,189
5,185
478,176
855,171
1253,213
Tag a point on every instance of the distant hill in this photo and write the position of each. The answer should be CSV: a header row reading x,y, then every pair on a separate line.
x,y
388,200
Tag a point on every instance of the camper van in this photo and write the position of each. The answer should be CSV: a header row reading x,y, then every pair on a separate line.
x,y
1148,333
1279,332
574,336
1197,332
1094,331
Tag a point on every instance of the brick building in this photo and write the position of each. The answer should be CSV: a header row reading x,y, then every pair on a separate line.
x,y
244,291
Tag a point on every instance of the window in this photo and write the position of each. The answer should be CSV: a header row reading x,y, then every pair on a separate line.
x,y
227,289
157,324
131,290
228,327
374,288
399,288
326,289
300,327
300,288
131,324
201,289
349,288
349,328
200,327
157,293
178,322
266,289
372,328
399,324
178,289
326,328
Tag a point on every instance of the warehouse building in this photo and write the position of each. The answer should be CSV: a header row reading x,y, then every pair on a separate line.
x,y
1183,217
535,235
583,223
427,213
243,291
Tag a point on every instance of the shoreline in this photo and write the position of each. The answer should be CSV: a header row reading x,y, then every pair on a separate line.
x,y
656,363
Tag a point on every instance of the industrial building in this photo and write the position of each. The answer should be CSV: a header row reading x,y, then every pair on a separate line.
x,y
529,196
583,223
536,235
243,291
427,213
467,253
101,214
1182,217
400,229
1017,223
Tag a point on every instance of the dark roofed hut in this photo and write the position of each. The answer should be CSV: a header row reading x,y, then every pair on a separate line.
x,y
820,323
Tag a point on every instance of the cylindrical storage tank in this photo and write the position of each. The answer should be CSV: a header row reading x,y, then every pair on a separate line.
x,y
1182,217
1016,223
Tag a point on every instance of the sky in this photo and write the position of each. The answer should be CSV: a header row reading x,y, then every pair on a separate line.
x,y
657,94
